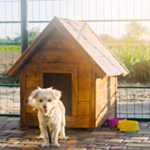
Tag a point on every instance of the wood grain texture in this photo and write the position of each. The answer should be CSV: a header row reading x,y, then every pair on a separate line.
x,y
84,71
84,96
78,122
92,99
32,119
84,84
105,94
105,99
58,44
83,109
31,82
105,83
102,118
105,106
74,92
40,80
56,57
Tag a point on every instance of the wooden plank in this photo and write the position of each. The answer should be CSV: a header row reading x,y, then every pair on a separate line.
x,y
77,122
74,92
105,106
32,119
105,83
84,71
58,44
92,100
84,83
83,108
34,66
22,98
57,35
53,69
104,116
105,94
40,80
31,82
84,96
30,109
56,57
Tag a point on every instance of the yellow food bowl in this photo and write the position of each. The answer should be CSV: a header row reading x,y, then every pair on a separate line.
x,y
128,126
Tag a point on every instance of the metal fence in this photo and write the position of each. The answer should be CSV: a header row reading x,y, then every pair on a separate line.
x,y
124,25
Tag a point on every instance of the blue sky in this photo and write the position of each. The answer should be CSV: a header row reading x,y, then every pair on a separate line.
x,y
75,9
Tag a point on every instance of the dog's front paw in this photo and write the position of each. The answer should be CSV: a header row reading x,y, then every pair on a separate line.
x,y
55,145
62,137
45,144
41,136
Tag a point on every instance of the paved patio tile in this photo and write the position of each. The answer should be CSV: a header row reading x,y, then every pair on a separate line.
x,y
143,132
50,148
30,136
103,133
136,145
133,148
3,145
28,146
90,146
76,148
71,141
116,144
116,140
81,145
101,140
139,138
132,141
89,139
118,147
103,147
15,145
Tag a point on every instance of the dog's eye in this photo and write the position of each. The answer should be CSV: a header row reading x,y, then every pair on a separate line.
x,y
41,100
49,100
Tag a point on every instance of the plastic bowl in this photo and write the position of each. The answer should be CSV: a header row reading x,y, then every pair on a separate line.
x,y
128,126
113,122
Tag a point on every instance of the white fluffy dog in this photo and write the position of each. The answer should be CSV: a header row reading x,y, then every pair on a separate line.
x,y
51,113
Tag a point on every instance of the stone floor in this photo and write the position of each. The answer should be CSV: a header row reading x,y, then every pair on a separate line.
x,y
11,138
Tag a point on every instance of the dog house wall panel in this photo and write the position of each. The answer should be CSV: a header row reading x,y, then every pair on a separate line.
x,y
106,96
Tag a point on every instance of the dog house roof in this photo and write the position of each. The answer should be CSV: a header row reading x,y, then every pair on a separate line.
x,y
86,42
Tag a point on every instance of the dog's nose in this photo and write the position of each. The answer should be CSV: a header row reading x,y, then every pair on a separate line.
x,y
44,106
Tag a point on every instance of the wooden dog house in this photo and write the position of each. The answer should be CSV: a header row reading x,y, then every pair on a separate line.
x,y
69,56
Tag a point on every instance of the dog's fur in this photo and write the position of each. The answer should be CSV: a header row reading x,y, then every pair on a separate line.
x,y
51,113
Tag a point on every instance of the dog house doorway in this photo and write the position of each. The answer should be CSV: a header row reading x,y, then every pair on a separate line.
x,y
62,82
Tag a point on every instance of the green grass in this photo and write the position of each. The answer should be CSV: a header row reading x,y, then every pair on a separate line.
x,y
7,48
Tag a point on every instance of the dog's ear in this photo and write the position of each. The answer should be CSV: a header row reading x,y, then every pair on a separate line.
x,y
32,97
56,94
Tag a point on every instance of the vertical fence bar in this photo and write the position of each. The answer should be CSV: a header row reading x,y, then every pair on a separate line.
x,y
24,25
